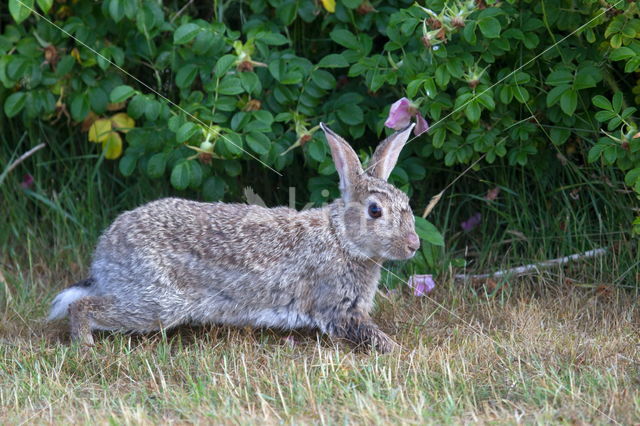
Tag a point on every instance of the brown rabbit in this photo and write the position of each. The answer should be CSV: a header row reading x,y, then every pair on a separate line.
x,y
175,261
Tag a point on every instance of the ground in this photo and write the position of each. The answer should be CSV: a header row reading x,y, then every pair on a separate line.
x,y
544,349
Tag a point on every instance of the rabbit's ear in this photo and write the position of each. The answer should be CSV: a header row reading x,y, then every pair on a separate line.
x,y
345,159
386,156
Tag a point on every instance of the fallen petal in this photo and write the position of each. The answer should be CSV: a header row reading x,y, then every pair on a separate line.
x,y
422,284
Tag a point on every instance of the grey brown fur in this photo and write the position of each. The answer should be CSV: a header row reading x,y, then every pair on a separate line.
x,y
175,261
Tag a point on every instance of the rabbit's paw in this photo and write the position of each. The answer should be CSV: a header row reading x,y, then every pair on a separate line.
x,y
383,343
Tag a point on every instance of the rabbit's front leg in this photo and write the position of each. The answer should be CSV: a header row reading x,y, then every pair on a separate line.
x,y
360,329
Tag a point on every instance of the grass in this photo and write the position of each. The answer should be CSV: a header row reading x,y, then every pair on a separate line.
x,y
559,346
537,354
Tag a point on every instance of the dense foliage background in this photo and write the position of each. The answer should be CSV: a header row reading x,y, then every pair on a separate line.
x,y
211,97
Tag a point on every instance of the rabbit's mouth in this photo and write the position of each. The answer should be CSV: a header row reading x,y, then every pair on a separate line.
x,y
401,254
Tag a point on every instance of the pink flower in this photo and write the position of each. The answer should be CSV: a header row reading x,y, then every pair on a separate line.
x,y
471,223
27,181
421,125
400,116
421,284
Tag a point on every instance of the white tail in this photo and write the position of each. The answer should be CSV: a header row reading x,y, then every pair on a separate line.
x,y
60,305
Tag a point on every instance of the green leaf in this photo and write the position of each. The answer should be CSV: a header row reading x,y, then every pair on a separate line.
x,y
258,142
584,81
136,106
186,75
324,79
20,10
45,5
469,32
14,103
558,78
250,82
632,177
186,131
617,102
554,94
603,116
80,106
414,86
230,85
98,99
232,142
116,9
622,54
121,93
345,38
273,39
490,27
559,136
569,101
156,165
151,109
610,154
181,175
521,94
213,189
602,102
287,12
127,165
350,114
195,175
224,64
333,60
317,150
472,111
595,152
428,232
185,33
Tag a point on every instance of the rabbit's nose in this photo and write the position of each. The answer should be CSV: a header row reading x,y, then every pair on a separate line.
x,y
413,242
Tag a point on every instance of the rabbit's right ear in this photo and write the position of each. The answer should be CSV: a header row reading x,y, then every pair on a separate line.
x,y
345,159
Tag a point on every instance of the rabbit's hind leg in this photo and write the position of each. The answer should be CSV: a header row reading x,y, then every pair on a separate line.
x,y
85,313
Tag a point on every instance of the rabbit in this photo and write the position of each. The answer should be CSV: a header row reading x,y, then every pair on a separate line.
x,y
175,261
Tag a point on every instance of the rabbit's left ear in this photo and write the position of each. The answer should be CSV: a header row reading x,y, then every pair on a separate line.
x,y
386,156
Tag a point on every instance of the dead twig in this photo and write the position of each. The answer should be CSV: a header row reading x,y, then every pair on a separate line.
x,y
23,157
521,270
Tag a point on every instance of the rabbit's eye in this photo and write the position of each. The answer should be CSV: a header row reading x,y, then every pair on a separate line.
x,y
375,211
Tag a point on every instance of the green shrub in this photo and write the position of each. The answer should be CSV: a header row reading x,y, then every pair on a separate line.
x,y
524,83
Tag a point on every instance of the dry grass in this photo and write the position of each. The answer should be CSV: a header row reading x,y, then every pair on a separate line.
x,y
537,352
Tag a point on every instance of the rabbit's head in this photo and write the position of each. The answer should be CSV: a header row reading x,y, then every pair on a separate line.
x,y
375,216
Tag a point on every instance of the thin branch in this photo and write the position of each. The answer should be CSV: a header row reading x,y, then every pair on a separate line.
x,y
178,13
23,157
521,270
